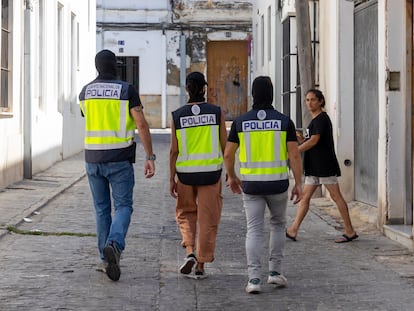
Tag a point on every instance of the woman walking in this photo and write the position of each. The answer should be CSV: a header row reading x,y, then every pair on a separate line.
x,y
321,166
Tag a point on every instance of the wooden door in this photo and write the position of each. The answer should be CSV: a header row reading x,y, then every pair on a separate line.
x,y
227,67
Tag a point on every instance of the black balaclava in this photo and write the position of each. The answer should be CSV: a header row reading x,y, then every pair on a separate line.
x,y
105,63
262,92
195,82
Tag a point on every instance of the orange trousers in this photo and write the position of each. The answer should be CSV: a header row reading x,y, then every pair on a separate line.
x,y
199,209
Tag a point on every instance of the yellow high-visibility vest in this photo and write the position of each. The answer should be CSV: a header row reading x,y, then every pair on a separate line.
x,y
108,123
197,128
199,149
263,155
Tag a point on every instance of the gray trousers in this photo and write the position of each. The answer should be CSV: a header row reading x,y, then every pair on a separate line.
x,y
255,206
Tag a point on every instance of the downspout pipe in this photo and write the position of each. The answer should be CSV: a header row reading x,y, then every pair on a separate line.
x,y
27,107
164,81
183,66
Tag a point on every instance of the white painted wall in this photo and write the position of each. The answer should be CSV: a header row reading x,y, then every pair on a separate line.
x,y
147,45
272,60
132,11
48,124
56,131
344,97
393,105
336,81
11,146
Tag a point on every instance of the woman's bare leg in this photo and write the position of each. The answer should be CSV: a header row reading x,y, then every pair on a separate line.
x,y
337,197
303,209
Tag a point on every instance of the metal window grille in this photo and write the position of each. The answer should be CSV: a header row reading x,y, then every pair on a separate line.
x,y
5,75
128,69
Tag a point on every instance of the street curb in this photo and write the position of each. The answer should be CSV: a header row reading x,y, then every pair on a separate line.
x,y
27,213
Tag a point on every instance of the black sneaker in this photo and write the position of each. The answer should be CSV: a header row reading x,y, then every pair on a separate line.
x,y
112,256
188,264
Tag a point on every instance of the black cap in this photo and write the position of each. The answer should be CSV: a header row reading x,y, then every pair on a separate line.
x,y
196,76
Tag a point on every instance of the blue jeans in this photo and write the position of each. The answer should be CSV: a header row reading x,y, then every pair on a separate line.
x,y
255,206
117,177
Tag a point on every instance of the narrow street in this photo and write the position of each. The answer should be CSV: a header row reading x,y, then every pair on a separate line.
x,y
48,261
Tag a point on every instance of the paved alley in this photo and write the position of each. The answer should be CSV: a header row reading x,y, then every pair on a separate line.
x,y
48,254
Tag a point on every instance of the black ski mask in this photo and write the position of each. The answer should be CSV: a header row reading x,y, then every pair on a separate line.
x,y
105,63
262,92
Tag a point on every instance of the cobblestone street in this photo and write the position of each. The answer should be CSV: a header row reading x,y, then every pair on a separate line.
x,y
55,270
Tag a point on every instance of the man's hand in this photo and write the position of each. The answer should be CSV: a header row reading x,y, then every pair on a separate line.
x,y
149,168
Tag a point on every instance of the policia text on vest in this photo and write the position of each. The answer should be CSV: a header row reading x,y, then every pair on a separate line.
x,y
257,125
205,119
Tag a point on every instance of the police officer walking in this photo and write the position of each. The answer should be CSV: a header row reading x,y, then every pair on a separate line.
x,y
198,138
267,141
112,110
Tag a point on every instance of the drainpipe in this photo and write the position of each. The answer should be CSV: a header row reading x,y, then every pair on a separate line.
x,y
164,80
27,108
182,69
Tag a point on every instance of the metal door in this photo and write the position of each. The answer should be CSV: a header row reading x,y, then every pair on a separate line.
x,y
366,102
227,67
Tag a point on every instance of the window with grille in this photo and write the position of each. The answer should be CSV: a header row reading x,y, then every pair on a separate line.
x,y
291,88
5,45
128,69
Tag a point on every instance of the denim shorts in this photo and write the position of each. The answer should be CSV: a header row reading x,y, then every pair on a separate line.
x,y
314,180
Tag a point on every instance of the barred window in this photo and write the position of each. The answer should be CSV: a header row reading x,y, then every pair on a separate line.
x,y
128,69
5,44
291,88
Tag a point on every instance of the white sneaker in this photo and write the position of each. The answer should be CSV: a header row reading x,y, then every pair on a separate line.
x,y
253,286
277,279
101,267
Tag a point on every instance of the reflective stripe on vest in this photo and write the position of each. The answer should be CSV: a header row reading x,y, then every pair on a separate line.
x,y
199,149
108,123
263,156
